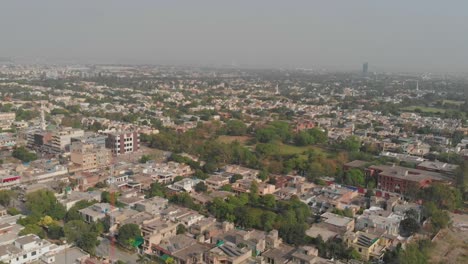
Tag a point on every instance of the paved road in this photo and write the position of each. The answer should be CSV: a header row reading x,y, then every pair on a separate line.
x,y
103,251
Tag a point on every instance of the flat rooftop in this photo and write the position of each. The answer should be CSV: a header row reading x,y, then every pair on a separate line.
x,y
408,173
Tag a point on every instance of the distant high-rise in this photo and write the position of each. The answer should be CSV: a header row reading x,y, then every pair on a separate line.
x,y
365,68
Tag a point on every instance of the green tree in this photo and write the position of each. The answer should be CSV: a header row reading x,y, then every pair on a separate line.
x,y
23,154
128,233
32,229
5,197
145,158
199,174
156,189
445,197
265,135
44,202
13,211
201,187
235,177
439,218
55,231
412,255
181,229
73,213
236,127
293,233
409,226
268,220
355,177
88,242
226,188
351,143
75,229
263,175
269,201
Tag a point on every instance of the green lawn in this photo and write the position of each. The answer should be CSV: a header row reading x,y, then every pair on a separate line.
x,y
228,139
423,109
284,149
291,149
452,102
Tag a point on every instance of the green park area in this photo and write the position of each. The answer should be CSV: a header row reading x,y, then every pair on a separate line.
x,y
452,102
423,109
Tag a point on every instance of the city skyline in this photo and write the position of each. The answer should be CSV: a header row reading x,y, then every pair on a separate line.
x,y
418,37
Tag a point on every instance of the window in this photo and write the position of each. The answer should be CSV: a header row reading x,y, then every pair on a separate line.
x,y
33,253
25,256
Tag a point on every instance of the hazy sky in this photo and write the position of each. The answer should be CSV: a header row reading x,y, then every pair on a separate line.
x,y
415,35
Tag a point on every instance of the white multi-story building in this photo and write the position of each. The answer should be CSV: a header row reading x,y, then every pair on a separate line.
x,y
96,212
27,249
166,172
61,140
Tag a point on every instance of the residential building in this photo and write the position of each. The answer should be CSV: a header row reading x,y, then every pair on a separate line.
x,y
182,248
301,125
184,185
152,205
227,253
92,138
96,212
322,198
376,219
6,120
401,179
26,249
71,198
437,166
215,182
337,223
61,140
155,231
86,156
368,245
123,142
7,140
166,172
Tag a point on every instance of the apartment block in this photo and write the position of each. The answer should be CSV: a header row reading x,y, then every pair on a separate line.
x,y
61,140
87,156
123,142
27,249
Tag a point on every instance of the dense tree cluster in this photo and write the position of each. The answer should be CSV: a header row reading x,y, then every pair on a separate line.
x,y
128,234
236,128
23,154
265,213
310,137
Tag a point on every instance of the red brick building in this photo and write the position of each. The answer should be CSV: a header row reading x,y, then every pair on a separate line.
x,y
303,125
400,179
122,142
